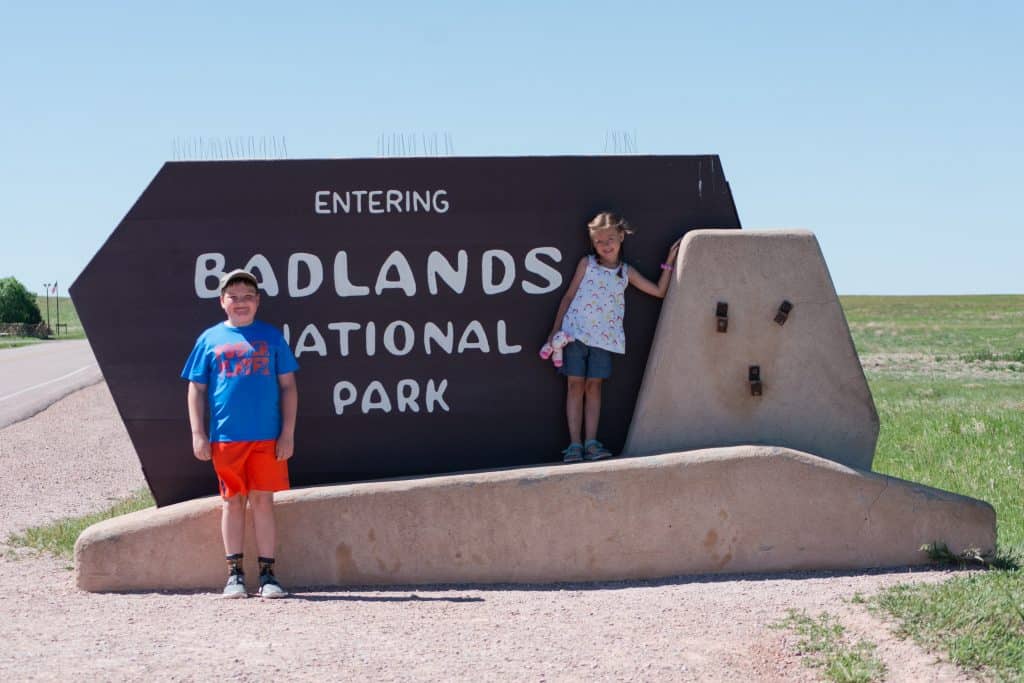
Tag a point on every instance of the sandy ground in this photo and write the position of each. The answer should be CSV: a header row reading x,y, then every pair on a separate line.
x,y
75,457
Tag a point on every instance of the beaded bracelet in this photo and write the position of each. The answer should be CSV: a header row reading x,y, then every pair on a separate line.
x,y
666,266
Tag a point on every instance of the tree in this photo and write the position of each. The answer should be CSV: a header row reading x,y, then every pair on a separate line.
x,y
17,304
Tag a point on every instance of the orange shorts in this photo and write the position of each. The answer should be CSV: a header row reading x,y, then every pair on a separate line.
x,y
244,466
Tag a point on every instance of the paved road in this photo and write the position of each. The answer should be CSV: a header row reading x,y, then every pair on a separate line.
x,y
33,377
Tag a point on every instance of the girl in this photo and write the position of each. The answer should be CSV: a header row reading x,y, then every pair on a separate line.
x,y
591,312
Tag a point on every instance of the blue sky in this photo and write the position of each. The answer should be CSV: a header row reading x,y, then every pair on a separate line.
x,y
892,130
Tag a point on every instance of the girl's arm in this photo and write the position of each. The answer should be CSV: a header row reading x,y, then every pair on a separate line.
x,y
648,287
570,292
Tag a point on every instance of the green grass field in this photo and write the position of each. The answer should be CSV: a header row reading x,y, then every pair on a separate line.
x,y
936,325
954,419
67,315
947,375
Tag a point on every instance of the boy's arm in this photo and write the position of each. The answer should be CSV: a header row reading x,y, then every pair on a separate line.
x,y
289,409
197,420
570,292
648,287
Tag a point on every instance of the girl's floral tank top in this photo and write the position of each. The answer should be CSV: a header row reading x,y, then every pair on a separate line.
x,y
596,312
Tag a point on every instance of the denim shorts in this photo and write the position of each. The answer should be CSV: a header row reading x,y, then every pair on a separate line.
x,y
580,360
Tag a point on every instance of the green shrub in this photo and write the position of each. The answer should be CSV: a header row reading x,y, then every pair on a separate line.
x,y
17,304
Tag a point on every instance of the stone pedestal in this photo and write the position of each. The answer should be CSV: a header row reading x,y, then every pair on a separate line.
x,y
724,510
697,388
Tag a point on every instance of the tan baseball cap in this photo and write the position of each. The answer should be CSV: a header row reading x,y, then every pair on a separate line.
x,y
238,274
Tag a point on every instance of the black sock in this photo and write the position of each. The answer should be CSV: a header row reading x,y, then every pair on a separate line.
x,y
266,565
234,563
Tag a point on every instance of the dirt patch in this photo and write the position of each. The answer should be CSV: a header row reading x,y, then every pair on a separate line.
x,y
930,366
75,456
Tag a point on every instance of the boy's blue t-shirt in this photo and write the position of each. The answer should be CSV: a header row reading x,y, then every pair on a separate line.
x,y
240,366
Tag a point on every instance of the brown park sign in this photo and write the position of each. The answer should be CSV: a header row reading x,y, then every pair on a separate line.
x,y
415,294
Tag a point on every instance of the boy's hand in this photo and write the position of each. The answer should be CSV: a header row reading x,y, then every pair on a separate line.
x,y
201,446
285,447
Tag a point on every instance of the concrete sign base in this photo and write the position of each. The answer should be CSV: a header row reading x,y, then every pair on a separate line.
x,y
752,347
722,510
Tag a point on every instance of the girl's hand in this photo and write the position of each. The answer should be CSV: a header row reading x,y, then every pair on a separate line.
x,y
672,252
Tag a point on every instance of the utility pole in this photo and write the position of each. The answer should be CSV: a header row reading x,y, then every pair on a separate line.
x,y
56,295
46,290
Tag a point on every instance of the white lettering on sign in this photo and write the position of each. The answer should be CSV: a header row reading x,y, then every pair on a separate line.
x,y
328,202
375,397
314,274
403,279
259,266
208,266
407,336
432,334
408,390
494,272
474,339
400,338
342,285
310,341
490,257
534,265
438,266
305,274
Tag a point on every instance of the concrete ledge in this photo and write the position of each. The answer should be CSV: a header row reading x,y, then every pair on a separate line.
x,y
736,509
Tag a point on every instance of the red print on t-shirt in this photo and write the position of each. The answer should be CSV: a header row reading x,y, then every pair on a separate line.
x,y
242,358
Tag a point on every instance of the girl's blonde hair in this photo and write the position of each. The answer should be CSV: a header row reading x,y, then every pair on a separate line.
x,y
606,220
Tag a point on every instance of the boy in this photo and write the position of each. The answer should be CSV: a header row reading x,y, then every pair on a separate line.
x,y
246,372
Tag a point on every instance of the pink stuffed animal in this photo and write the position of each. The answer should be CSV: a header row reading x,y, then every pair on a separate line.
x,y
554,349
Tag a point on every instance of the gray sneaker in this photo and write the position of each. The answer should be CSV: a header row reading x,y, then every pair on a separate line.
x,y
270,588
235,587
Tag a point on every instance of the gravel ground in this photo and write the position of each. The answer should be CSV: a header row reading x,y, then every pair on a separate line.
x,y
75,457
